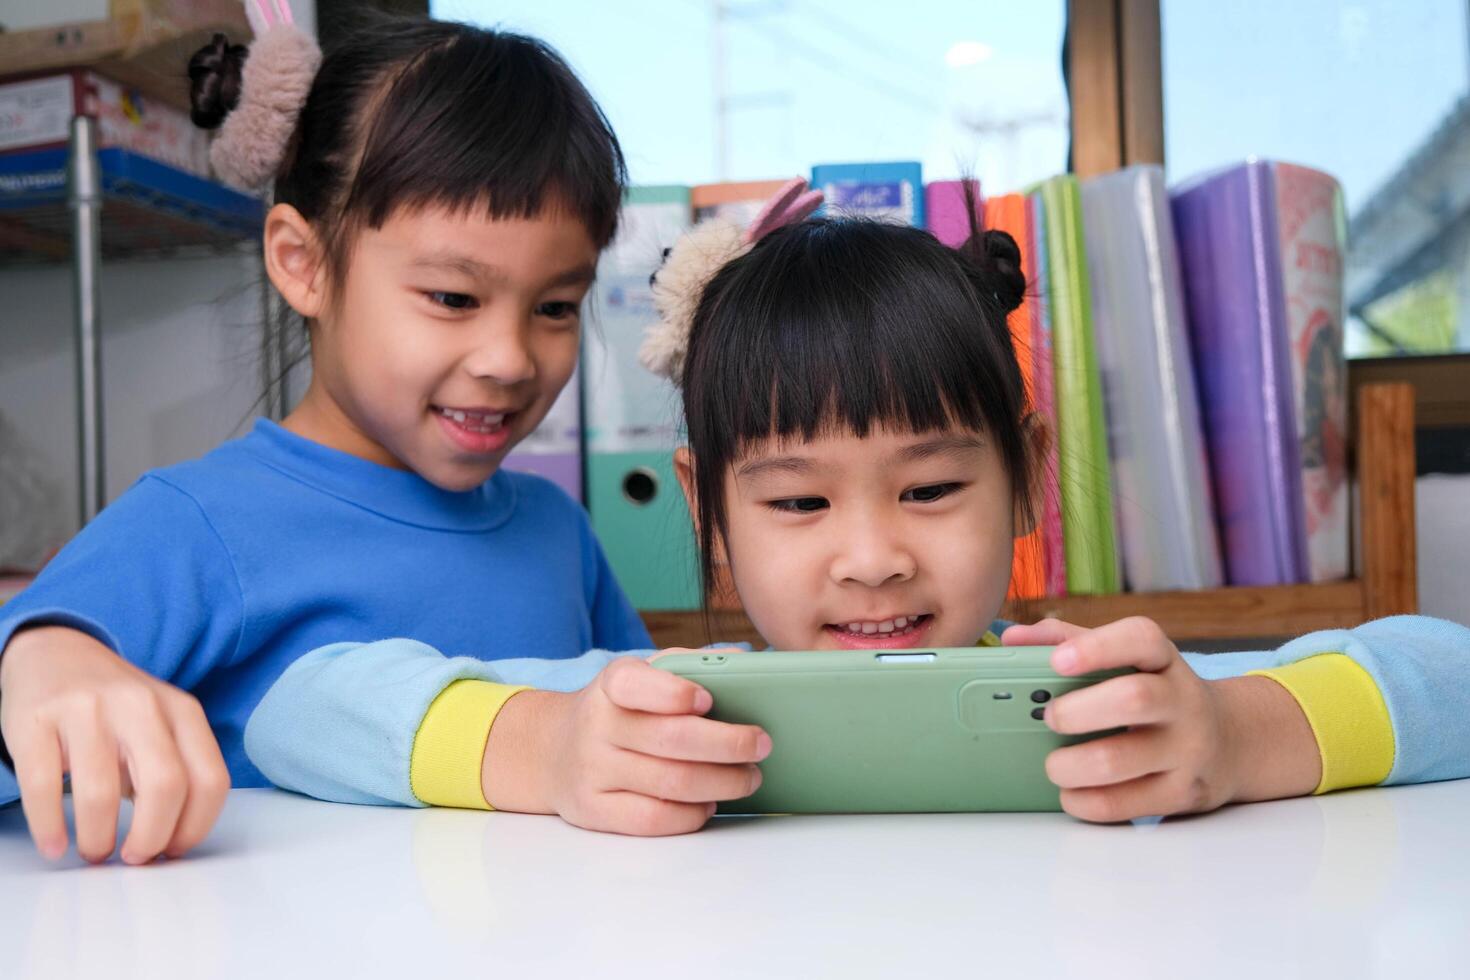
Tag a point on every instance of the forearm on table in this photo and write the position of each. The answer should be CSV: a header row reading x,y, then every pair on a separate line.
x,y
1275,753
517,760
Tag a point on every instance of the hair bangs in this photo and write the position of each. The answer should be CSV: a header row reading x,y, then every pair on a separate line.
x,y
842,326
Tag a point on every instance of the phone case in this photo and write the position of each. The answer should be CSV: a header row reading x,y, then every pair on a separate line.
x,y
903,731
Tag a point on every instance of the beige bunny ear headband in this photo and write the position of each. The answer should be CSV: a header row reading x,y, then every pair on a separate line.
x,y
274,83
692,263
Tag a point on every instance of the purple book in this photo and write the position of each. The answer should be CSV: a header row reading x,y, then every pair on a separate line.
x,y
1229,251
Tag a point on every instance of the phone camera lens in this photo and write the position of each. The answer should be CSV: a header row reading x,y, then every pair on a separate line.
x,y
1041,697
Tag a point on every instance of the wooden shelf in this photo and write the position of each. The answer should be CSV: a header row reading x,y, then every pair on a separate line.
x,y
1386,585
1214,614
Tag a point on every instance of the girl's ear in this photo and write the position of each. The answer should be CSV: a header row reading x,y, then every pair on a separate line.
x,y
684,471
293,260
1036,435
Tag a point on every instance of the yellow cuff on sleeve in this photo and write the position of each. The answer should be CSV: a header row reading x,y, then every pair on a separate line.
x,y
449,747
1348,717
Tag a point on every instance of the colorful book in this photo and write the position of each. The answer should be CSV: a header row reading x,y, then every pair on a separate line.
x,y
887,191
737,201
637,507
1093,565
1033,256
947,212
554,449
1312,224
1230,257
1008,214
1162,497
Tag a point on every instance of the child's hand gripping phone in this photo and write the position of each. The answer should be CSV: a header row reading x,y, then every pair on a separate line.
x,y
892,731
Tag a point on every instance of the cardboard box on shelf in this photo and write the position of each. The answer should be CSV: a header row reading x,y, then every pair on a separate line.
x,y
143,44
36,113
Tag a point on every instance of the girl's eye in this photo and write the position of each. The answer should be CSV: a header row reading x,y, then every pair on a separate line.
x,y
931,493
559,310
798,505
453,301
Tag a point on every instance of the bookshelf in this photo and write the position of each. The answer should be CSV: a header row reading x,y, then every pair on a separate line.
x,y
1382,463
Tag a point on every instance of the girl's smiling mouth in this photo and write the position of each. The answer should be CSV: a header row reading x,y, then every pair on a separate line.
x,y
475,430
885,634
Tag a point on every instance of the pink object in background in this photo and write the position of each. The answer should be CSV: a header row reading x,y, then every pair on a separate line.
x,y
1311,222
944,210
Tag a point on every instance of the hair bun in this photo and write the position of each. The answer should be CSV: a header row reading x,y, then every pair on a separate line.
x,y
214,81
1001,260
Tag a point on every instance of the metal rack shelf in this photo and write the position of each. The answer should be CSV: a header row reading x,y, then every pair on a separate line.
x,y
86,204
148,209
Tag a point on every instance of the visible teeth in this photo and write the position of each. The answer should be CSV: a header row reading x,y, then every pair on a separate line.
x,y
477,421
898,624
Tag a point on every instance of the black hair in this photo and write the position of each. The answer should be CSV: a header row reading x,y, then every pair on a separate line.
x,y
847,324
214,81
408,112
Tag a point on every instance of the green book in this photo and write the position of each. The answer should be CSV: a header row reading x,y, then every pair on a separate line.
x,y
1088,523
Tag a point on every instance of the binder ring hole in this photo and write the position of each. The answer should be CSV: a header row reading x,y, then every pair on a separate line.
x,y
640,486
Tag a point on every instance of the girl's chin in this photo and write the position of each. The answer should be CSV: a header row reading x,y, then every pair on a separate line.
x,y
458,475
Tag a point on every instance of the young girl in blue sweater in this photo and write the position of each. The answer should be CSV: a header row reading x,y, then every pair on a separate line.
x,y
441,197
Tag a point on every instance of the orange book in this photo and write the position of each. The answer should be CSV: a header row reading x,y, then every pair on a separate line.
x,y
1008,214
739,200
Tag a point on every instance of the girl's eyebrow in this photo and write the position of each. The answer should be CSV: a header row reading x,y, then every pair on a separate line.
x,y
797,465
456,262
475,269
949,445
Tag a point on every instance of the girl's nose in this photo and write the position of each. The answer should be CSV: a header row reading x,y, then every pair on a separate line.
x,y
501,354
873,557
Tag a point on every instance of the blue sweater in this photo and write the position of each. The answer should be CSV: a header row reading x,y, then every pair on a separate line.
x,y
217,574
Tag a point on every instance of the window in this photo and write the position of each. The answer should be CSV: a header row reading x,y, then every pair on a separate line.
x,y
706,90
1371,91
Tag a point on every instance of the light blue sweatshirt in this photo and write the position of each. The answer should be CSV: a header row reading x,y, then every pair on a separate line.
x,y
1388,702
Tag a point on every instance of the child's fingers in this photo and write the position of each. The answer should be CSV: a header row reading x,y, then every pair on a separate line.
x,y
1046,633
1159,794
38,773
1108,761
1134,642
644,816
96,786
160,786
1118,702
694,739
208,776
631,683
687,782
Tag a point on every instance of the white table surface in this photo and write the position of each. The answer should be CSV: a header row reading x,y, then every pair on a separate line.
x,y
1372,883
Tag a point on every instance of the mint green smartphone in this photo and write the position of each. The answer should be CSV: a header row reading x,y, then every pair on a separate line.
x,y
902,731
